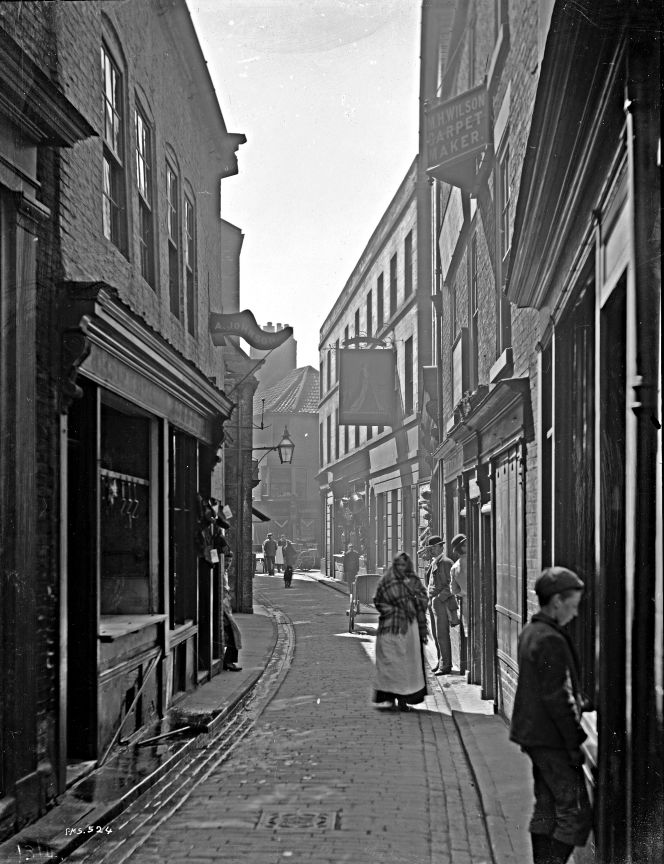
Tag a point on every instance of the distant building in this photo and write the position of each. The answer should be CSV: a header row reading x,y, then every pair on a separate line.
x,y
279,362
288,494
372,475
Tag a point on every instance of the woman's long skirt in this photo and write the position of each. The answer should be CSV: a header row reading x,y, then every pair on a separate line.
x,y
400,667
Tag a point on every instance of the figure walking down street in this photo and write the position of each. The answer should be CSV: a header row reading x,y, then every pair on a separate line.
x,y
232,637
547,720
351,564
401,601
442,602
290,560
279,555
269,550
459,585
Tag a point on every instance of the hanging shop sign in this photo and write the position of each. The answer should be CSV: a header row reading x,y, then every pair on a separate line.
x,y
457,131
244,325
366,387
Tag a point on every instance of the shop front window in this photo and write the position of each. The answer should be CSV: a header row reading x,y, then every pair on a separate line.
x,y
124,529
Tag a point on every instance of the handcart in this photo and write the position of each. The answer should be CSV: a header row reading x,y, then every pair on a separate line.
x,y
306,560
362,592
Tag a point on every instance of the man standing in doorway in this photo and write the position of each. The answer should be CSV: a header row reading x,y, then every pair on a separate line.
x,y
547,720
269,550
437,580
459,584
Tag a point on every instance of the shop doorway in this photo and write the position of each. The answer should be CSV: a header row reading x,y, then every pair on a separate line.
x,y
612,780
488,623
82,595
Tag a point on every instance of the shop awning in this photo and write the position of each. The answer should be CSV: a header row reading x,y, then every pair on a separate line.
x,y
259,516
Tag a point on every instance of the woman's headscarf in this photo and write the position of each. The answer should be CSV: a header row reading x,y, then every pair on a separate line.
x,y
401,598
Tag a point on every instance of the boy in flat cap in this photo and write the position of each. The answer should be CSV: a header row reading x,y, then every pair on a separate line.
x,y
547,719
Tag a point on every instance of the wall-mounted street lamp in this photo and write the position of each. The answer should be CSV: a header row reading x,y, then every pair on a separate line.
x,y
285,448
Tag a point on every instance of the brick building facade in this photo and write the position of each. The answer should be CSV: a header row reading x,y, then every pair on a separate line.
x,y
486,348
547,304
113,147
371,475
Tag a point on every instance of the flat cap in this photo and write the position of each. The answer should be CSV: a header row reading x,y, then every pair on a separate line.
x,y
554,580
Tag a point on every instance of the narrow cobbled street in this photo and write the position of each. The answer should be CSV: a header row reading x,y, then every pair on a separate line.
x,y
321,775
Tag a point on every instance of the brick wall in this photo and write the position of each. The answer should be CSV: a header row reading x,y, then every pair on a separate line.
x,y
514,73
157,77
29,25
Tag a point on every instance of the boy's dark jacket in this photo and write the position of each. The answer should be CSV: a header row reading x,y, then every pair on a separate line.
x,y
547,709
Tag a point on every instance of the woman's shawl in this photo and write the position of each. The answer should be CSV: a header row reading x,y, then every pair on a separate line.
x,y
400,600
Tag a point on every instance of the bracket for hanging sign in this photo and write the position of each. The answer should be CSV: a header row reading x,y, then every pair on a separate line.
x,y
371,341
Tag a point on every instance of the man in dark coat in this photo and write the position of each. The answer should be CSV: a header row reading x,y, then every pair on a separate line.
x,y
351,564
546,721
290,560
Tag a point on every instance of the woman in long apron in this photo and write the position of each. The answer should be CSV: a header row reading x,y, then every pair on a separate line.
x,y
401,601
279,555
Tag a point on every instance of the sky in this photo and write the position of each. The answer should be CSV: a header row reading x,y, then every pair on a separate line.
x,y
326,92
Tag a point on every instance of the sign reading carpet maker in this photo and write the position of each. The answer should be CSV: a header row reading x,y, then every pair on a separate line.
x,y
456,129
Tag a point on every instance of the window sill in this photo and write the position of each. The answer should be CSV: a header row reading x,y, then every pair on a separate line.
x,y
502,366
112,627
181,632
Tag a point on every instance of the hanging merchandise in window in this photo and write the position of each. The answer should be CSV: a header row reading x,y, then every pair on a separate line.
x,y
210,532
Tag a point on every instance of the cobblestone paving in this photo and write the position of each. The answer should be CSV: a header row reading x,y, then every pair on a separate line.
x,y
321,776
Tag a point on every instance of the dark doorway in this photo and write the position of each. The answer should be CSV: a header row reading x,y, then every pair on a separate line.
x,y
612,780
82,576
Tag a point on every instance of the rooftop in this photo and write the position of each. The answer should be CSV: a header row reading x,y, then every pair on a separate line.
x,y
297,393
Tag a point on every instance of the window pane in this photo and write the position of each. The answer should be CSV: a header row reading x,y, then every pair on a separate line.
x,y
143,158
112,104
112,178
408,264
379,302
174,279
408,376
191,306
146,243
189,233
173,250
504,203
172,199
106,205
190,262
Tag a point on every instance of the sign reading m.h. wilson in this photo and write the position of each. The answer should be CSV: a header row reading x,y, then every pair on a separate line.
x,y
456,130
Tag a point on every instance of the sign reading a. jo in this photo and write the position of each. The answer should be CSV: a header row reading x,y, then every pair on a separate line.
x,y
244,324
